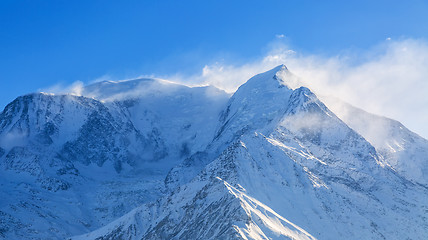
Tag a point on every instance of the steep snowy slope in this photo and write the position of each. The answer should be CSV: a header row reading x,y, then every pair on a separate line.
x,y
152,159
255,105
403,150
57,148
208,207
288,169
266,194
185,117
71,164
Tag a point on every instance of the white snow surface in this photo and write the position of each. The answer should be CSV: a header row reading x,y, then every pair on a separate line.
x,y
151,159
403,150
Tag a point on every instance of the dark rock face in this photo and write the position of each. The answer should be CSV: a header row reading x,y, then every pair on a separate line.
x,y
96,142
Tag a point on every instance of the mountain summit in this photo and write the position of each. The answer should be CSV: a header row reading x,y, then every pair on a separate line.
x,y
151,159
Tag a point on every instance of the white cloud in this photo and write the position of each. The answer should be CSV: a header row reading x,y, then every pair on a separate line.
x,y
393,82
390,79
75,88
105,77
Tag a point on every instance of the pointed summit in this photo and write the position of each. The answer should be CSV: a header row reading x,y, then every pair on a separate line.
x,y
279,68
278,73
256,103
303,99
277,77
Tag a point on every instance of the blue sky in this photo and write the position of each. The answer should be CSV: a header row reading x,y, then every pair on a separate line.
x,y
43,43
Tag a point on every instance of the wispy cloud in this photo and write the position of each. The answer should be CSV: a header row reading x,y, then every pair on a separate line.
x,y
75,88
390,79
280,36
104,77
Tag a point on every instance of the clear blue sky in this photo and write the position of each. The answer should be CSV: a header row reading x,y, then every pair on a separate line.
x,y
46,42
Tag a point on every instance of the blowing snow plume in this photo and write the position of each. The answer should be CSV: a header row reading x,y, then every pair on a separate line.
x,y
389,79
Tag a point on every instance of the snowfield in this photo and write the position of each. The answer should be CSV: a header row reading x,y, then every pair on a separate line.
x,y
152,159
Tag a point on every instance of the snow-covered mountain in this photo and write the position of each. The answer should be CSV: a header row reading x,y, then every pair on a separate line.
x,y
398,147
70,164
151,159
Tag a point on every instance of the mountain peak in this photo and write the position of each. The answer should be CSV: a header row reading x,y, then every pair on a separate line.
x,y
279,68
277,77
272,162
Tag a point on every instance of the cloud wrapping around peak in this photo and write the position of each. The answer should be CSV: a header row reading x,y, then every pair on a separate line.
x,y
390,79
76,88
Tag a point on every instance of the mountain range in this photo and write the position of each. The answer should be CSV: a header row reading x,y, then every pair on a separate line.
x,y
152,159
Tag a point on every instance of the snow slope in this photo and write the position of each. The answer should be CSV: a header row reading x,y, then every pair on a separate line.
x,y
70,164
405,151
288,169
152,159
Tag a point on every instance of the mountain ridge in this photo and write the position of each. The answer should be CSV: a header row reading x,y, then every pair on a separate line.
x,y
271,161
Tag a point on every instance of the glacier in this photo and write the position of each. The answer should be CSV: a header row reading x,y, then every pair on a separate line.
x,y
152,159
